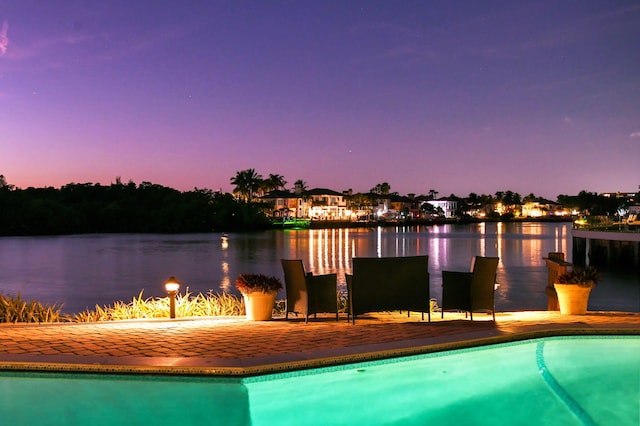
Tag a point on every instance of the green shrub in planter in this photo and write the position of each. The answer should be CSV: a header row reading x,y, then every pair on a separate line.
x,y
586,277
249,283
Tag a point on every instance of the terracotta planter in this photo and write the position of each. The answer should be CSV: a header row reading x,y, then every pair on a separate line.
x,y
573,298
259,306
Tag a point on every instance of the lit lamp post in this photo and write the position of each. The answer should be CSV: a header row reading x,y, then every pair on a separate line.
x,y
172,285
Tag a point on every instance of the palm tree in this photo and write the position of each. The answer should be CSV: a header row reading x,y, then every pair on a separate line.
x,y
246,182
300,186
381,188
273,182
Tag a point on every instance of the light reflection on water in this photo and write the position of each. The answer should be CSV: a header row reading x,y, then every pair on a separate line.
x,y
85,270
521,248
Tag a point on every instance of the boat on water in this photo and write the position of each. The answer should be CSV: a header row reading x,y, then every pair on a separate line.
x,y
292,223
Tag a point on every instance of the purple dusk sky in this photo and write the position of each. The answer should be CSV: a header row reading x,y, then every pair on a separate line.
x,y
458,96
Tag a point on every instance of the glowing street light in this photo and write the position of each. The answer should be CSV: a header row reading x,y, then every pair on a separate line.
x,y
172,285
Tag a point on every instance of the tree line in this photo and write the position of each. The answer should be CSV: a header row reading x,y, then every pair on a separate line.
x,y
122,208
249,184
149,208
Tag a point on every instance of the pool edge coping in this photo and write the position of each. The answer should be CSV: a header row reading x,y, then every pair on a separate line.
x,y
318,362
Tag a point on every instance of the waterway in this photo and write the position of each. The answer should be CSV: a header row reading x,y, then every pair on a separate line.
x,y
81,271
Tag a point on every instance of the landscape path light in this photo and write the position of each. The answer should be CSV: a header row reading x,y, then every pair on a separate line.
x,y
172,285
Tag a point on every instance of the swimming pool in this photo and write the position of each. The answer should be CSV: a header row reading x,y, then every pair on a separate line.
x,y
578,380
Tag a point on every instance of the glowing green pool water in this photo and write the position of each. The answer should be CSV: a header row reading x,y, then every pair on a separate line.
x,y
556,381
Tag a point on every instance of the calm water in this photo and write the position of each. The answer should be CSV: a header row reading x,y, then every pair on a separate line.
x,y
84,270
544,381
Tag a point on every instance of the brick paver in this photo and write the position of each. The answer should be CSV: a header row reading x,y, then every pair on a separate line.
x,y
237,346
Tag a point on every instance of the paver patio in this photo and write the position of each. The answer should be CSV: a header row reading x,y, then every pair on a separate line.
x,y
235,346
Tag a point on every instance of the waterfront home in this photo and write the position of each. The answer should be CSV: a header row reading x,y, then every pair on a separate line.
x,y
541,207
405,206
448,205
327,204
285,203
317,203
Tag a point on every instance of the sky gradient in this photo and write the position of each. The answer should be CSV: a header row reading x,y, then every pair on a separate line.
x,y
535,97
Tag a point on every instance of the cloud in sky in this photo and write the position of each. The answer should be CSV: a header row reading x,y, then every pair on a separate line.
x,y
635,134
4,39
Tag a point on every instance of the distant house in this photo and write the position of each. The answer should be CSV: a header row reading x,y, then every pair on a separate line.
x,y
381,204
623,195
326,204
402,207
541,207
317,203
285,203
449,205
374,206
360,206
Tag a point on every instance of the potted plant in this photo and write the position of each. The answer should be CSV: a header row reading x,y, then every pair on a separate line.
x,y
573,289
259,293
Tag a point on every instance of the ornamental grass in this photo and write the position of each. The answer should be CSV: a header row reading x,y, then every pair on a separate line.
x,y
14,309
187,305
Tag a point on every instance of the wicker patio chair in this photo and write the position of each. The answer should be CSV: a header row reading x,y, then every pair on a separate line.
x,y
471,291
309,294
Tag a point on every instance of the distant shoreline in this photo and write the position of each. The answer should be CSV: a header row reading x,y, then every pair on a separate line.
x,y
336,224
332,224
